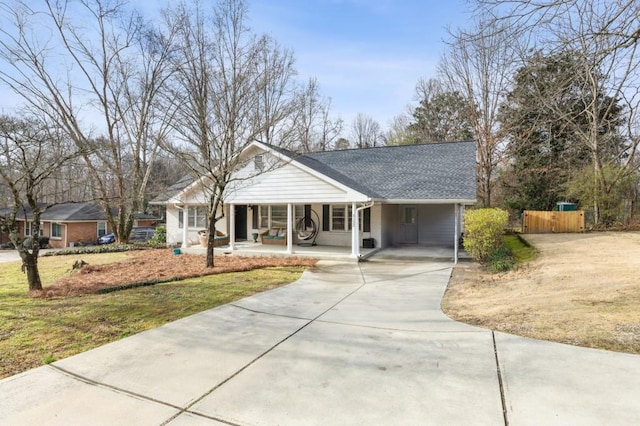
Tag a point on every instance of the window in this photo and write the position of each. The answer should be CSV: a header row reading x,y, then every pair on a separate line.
x,y
28,229
102,229
56,230
272,216
341,217
278,216
258,163
197,217
181,218
338,218
410,215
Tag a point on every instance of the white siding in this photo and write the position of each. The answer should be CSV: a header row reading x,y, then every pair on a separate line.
x,y
289,184
175,233
196,196
390,225
436,225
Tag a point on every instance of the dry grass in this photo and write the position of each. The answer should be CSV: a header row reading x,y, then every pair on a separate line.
x,y
583,289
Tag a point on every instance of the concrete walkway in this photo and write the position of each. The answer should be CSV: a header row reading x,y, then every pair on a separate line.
x,y
347,344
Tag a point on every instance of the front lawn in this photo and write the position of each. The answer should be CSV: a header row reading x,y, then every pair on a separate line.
x,y
37,330
580,289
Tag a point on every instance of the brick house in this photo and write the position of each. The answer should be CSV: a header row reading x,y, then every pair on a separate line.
x,y
74,224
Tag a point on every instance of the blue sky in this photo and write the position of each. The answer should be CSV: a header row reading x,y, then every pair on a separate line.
x,y
366,54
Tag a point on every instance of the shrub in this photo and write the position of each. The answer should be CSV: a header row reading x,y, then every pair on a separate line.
x,y
159,238
500,259
105,248
483,230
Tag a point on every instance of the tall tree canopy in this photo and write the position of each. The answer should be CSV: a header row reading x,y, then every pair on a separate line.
x,y
603,37
441,116
541,117
30,153
232,87
94,69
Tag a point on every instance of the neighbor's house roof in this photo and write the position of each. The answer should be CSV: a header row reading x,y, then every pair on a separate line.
x,y
174,190
434,171
73,212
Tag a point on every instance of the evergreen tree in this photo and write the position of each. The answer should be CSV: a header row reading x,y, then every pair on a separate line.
x,y
442,117
540,118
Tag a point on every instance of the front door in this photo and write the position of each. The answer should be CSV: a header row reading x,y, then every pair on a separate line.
x,y
409,231
241,223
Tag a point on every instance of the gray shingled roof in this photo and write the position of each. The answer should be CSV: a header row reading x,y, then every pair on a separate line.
x,y
73,212
174,190
409,172
434,171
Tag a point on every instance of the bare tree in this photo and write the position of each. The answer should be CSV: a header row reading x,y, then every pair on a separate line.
x,y
92,61
330,128
315,130
479,64
225,80
620,24
30,154
398,132
366,131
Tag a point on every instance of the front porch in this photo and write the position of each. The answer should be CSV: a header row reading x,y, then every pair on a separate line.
x,y
249,249
322,252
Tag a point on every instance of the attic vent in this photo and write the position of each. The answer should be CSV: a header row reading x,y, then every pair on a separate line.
x,y
258,162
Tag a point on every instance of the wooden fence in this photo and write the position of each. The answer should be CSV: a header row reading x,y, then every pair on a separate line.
x,y
541,222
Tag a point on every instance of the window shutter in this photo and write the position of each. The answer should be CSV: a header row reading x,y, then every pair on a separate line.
x,y
307,215
254,217
366,220
325,217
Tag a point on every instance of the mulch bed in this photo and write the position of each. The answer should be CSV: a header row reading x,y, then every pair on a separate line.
x,y
153,266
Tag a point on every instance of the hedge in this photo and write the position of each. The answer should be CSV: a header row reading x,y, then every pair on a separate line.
x,y
483,231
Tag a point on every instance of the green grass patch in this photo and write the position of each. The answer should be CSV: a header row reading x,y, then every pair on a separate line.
x,y
512,253
519,249
34,331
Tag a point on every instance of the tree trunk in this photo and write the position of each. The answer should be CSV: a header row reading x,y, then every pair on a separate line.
x,y
211,242
30,266
597,185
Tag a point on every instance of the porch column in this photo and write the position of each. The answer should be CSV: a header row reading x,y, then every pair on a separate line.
x,y
232,226
456,238
185,226
355,233
289,228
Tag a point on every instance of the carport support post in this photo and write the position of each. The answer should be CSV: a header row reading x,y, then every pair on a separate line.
x,y
456,238
232,226
355,225
289,228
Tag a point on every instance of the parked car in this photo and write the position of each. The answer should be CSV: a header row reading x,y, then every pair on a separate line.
x,y
107,239
142,233
43,242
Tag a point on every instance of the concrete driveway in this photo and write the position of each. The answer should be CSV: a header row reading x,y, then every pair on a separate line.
x,y
347,344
